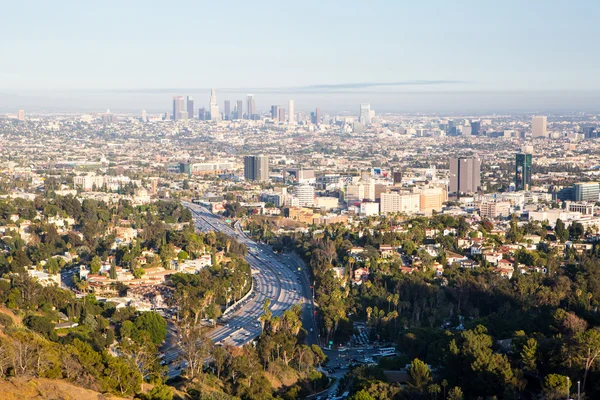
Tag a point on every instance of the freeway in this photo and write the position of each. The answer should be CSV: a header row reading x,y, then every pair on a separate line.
x,y
281,279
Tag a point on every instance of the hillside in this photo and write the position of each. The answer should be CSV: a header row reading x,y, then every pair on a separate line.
x,y
23,388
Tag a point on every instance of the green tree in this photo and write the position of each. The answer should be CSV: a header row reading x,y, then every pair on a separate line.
x,y
154,324
455,393
160,392
113,271
588,345
561,232
95,265
529,355
420,375
362,395
555,386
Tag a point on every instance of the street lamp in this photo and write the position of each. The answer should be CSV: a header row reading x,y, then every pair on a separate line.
x,y
568,386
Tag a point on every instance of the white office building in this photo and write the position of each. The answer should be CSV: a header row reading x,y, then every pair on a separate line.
x,y
409,203
305,195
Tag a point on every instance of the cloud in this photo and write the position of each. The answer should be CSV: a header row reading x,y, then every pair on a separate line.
x,y
317,88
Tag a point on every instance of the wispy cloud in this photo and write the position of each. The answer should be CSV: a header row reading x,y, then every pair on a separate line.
x,y
317,88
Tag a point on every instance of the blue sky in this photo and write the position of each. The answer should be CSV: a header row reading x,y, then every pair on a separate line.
x,y
470,45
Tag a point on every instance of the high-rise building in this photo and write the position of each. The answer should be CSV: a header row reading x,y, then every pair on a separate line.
x,y
475,128
108,117
465,175
305,195
432,199
586,191
408,203
227,110
144,117
256,168
251,106
202,114
21,115
523,163
213,97
589,132
214,113
291,115
538,126
178,107
397,177
239,110
317,120
281,112
365,115
214,107
274,111
190,107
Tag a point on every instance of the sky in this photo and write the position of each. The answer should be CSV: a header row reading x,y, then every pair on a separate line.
x,y
450,54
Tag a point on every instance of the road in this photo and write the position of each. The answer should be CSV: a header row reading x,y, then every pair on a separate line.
x,y
281,278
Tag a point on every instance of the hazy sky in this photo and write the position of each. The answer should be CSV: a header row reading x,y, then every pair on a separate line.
x,y
448,45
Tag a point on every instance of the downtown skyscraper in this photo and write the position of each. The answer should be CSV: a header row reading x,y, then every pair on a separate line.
x,y
251,106
291,115
227,110
179,108
190,107
239,110
365,115
214,107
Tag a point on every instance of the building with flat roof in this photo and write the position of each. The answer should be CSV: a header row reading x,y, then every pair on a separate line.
x,y
523,162
256,168
409,203
465,175
586,191
538,126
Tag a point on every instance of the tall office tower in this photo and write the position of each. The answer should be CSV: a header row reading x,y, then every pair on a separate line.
x,y
21,115
239,110
144,117
213,97
227,110
306,195
202,114
256,168
466,130
251,106
274,112
190,107
523,171
589,132
214,113
214,107
475,128
397,177
365,115
178,107
586,191
291,115
538,126
281,114
318,116
465,175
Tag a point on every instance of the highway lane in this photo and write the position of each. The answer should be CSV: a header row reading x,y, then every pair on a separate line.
x,y
276,277
273,280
